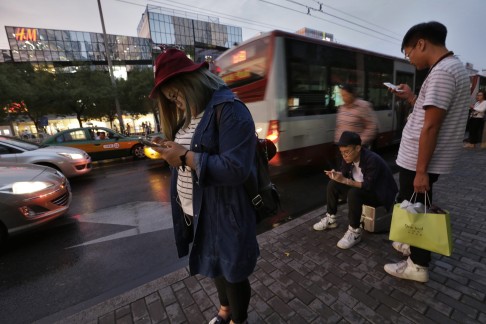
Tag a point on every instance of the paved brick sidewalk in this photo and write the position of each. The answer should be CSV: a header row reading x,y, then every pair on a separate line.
x,y
302,277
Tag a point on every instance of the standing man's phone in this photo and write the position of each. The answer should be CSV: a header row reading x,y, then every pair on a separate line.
x,y
392,86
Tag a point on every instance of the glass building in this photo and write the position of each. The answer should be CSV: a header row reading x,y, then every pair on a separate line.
x,y
203,38
67,47
309,32
5,56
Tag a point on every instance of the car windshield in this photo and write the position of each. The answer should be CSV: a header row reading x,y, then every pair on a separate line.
x,y
29,146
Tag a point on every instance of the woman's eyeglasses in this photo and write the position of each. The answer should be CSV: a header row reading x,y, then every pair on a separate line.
x,y
171,95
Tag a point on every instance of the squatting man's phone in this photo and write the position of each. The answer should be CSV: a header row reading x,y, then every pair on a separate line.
x,y
330,173
392,86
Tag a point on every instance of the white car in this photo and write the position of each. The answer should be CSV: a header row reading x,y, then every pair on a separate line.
x,y
30,195
70,161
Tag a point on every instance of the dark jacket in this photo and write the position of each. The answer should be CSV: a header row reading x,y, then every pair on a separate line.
x,y
224,220
377,176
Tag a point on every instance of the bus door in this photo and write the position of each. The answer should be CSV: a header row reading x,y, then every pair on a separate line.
x,y
402,108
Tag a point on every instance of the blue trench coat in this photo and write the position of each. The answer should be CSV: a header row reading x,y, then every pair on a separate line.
x,y
224,227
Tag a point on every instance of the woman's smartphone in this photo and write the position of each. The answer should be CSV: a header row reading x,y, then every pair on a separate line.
x,y
145,141
392,86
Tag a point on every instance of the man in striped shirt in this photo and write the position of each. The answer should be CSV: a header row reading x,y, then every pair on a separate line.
x,y
432,138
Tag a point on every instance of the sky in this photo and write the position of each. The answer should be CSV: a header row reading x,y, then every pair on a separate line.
x,y
376,25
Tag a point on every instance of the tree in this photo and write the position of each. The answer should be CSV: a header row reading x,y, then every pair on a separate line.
x,y
135,90
84,93
25,91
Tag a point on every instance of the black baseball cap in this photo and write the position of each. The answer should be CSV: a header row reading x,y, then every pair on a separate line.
x,y
349,138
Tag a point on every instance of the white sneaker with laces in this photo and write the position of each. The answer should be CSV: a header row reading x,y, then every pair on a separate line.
x,y
403,248
350,238
327,222
406,269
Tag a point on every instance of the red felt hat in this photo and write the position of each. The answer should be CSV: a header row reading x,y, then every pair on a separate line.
x,y
171,63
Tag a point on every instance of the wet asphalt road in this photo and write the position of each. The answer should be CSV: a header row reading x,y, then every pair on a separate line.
x,y
116,236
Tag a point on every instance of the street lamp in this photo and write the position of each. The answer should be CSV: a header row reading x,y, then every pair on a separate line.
x,y
110,67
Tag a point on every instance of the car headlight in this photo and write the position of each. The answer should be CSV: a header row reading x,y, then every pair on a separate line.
x,y
23,187
72,156
151,150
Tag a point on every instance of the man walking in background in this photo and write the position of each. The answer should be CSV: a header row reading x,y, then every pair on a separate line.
x,y
432,138
356,115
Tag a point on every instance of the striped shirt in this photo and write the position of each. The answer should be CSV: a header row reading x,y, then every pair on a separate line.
x,y
358,117
447,87
184,177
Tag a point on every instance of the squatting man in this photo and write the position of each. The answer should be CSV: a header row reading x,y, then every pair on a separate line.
x,y
365,179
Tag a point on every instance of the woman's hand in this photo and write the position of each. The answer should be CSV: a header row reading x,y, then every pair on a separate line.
x,y
171,152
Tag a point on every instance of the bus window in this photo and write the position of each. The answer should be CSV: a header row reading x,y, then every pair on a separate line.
x,y
378,70
308,90
402,107
244,66
379,95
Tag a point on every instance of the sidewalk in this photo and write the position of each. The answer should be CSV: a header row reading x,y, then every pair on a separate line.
x,y
302,277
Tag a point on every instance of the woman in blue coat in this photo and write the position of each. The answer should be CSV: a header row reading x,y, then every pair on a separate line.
x,y
210,160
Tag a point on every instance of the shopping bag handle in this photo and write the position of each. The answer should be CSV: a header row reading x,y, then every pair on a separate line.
x,y
413,199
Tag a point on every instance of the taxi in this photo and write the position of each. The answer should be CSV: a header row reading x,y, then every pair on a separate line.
x,y
99,142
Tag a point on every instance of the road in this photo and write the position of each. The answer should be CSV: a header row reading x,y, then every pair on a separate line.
x,y
116,236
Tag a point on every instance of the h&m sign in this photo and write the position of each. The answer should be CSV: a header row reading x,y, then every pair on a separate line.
x,y
26,34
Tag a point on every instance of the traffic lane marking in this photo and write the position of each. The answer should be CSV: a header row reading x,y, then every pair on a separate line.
x,y
143,216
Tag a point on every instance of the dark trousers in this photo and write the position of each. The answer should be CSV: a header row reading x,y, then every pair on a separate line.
x,y
419,256
475,130
236,296
356,197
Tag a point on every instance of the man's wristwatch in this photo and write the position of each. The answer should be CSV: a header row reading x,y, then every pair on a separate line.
x,y
183,160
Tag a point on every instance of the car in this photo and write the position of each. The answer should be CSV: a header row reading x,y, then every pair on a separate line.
x,y
147,149
70,161
88,139
30,195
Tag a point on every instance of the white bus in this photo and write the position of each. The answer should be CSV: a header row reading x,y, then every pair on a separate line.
x,y
291,82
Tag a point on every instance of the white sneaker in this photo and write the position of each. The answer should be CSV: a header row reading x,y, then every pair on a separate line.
x,y
350,238
403,248
329,221
406,269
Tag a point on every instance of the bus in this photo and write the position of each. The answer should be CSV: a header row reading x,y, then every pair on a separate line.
x,y
478,82
290,84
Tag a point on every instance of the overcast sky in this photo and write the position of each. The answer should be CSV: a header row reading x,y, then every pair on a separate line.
x,y
377,25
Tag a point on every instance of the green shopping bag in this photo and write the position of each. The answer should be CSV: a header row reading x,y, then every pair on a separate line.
x,y
427,231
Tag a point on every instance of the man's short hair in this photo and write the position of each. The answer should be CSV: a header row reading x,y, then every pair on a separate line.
x,y
433,31
347,87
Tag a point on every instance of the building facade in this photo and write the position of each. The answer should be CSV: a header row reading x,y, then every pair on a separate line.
x,y
57,48
203,38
